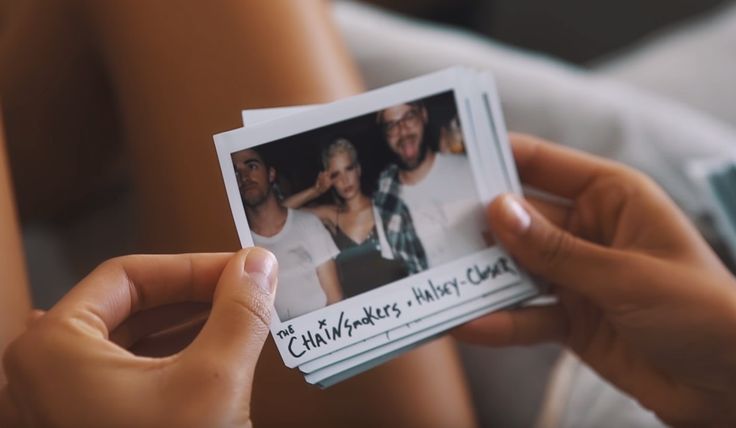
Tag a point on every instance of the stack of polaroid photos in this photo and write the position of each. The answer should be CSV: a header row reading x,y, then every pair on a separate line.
x,y
717,180
374,207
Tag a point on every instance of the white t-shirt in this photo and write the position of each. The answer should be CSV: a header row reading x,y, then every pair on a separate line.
x,y
300,247
446,210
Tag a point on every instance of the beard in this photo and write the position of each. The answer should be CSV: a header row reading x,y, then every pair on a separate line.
x,y
412,164
252,198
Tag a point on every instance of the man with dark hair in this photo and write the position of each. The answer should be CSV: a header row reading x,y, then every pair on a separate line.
x,y
438,189
305,251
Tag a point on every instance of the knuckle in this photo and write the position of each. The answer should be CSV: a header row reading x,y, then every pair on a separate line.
x,y
257,311
628,182
638,182
115,261
617,187
557,248
113,264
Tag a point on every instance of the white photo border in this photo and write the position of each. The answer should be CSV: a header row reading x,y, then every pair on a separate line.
x,y
490,181
352,355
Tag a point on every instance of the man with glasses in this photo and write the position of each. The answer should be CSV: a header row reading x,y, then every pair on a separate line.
x,y
438,189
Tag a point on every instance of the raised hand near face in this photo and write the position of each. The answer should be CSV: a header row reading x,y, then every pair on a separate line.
x,y
323,183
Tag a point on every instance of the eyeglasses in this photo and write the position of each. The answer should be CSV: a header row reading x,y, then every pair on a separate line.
x,y
408,119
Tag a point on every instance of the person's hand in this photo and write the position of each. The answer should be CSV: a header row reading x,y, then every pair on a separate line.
x,y
324,182
642,298
67,371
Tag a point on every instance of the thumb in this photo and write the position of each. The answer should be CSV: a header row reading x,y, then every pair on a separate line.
x,y
241,312
554,254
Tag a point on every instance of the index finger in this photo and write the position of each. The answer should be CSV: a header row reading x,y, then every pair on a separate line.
x,y
125,285
556,169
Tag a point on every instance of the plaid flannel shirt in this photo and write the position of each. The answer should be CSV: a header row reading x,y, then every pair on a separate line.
x,y
397,222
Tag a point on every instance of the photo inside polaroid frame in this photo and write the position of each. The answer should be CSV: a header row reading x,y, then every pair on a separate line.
x,y
359,204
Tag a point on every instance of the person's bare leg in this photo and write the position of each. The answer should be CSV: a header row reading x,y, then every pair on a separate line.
x,y
15,301
60,125
183,70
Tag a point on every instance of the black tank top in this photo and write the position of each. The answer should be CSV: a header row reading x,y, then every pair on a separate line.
x,y
361,267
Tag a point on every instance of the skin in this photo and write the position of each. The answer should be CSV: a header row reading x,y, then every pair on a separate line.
x,y
102,90
642,298
167,113
406,141
119,388
355,216
15,303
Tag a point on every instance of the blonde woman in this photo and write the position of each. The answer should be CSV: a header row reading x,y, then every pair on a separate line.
x,y
367,260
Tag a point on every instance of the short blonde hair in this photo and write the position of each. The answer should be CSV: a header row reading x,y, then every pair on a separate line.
x,y
340,145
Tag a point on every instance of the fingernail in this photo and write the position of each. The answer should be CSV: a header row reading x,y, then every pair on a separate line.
x,y
261,268
515,217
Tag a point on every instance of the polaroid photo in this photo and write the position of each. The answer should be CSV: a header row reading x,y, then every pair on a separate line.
x,y
489,115
510,294
328,377
502,299
411,248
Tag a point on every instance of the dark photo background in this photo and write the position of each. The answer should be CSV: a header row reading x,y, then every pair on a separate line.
x,y
297,159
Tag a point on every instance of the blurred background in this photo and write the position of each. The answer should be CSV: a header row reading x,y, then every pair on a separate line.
x,y
577,31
